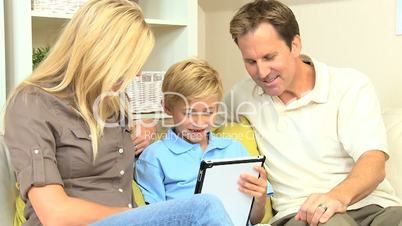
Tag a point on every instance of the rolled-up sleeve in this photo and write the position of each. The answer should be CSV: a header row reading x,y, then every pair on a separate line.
x,y
30,137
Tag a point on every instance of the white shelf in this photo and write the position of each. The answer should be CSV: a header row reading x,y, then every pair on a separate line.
x,y
152,22
159,22
173,22
46,14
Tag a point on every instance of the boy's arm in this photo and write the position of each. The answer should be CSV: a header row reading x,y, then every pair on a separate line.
x,y
149,178
256,187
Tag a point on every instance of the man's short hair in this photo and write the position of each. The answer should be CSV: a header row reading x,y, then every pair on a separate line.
x,y
252,14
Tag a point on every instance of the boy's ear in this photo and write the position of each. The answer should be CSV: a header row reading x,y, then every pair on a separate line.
x,y
166,108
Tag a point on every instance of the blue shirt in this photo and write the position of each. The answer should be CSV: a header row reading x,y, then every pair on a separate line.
x,y
168,169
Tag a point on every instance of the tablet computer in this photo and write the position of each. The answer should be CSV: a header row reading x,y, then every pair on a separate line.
x,y
220,178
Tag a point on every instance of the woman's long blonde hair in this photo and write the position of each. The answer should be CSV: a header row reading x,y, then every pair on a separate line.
x,y
100,50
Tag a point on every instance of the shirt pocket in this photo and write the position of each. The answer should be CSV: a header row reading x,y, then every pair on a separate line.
x,y
81,134
77,156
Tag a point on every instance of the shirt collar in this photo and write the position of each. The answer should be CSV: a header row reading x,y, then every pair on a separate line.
x,y
320,92
179,145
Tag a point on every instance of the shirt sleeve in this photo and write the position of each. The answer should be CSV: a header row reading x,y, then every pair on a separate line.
x,y
361,127
30,138
149,177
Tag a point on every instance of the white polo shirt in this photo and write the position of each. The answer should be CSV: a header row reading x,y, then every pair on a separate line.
x,y
313,142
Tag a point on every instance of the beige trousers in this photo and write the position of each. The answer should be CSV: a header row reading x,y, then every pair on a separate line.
x,y
371,215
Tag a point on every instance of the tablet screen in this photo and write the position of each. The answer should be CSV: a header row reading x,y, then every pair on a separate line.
x,y
220,178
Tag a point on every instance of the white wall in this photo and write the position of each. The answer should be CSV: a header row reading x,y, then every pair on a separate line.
x,y
350,33
2,67
201,32
17,29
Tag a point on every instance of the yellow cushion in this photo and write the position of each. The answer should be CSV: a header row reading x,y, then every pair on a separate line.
x,y
19,218
242,132
138,197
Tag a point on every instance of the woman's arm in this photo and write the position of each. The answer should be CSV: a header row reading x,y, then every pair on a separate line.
x,y
54,207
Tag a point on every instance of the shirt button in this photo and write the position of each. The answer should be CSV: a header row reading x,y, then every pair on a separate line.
x,y
130,206
120,190
122,172
36,151
121,150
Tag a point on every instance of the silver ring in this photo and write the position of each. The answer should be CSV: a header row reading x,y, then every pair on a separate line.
x,y
323,207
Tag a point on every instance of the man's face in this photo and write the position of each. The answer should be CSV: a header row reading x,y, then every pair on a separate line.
x,y
269,61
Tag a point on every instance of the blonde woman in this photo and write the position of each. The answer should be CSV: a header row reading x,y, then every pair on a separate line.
x,y
68,139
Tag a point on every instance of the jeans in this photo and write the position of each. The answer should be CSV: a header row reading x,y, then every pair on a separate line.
x,y
198,210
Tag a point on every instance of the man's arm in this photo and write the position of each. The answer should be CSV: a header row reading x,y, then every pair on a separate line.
x,y
364,178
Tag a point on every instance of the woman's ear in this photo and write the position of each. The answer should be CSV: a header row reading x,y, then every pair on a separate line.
x,y
296,46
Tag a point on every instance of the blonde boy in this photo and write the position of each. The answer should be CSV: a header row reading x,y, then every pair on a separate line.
x,y
168,169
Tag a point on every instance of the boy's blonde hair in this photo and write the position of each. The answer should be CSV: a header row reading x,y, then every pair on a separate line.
x,y
191,79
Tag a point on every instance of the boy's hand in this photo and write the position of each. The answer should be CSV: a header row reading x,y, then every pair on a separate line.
x,y
254,186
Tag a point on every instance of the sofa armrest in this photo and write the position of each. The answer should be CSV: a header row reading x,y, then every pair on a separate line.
x,y
393,124
8,192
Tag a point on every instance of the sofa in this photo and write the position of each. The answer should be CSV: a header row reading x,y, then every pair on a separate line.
x,y
392,120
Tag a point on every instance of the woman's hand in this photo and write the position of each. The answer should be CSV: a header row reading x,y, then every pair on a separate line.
x,y
144,134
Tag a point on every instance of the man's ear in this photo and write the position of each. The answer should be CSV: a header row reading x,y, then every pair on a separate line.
x,y
296,46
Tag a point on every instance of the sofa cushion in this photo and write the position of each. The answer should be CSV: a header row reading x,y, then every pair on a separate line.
x,y
138,197
7,187
241,131
393,124
19,217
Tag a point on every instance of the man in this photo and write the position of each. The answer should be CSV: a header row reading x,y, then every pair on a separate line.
x,y
319,126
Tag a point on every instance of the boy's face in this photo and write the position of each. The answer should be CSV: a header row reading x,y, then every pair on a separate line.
x,y
192,121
